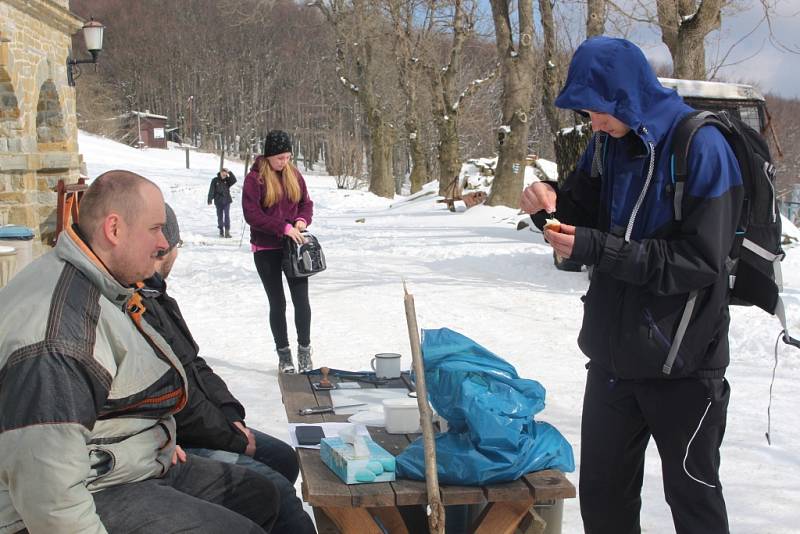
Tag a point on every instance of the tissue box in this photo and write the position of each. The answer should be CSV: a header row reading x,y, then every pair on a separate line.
x,y
340,458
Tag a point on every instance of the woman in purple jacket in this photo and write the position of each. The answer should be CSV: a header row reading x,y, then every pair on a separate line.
x,y
276,205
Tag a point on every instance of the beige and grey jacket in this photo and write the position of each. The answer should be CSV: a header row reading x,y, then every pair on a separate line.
x,y
87,392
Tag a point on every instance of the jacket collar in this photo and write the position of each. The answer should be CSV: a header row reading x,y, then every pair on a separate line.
x,y
71,248
154,287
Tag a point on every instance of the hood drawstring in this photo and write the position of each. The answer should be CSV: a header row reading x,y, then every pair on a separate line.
x,y
640,200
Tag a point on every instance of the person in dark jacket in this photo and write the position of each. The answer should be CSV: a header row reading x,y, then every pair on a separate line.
x,y
212,422
655,325
220,193
276,205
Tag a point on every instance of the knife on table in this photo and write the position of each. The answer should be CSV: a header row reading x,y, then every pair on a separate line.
x,y
326,409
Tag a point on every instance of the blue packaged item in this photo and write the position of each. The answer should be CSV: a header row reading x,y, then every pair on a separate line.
x,y
492,435
14,232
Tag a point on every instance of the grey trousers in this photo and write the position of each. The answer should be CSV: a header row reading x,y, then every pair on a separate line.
x,y
199,496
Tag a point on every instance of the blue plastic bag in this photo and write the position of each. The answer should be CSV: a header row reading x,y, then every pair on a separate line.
x,y
492,436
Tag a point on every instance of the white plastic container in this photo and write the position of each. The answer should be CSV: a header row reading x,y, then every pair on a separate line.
x,y
402,416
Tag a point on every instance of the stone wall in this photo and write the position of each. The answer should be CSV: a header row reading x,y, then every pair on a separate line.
x,y
38,132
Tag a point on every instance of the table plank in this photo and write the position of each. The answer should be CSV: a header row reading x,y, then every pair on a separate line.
x,y
507,491
353,520
391,519
502,517
297,393
462,495
549,485
321,486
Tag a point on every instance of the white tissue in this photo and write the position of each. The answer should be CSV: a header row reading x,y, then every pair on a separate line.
x,y
349,435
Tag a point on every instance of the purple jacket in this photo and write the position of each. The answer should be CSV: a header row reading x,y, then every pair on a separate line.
x,y
267,225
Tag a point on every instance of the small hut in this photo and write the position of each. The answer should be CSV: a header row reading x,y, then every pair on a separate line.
x,y
147,129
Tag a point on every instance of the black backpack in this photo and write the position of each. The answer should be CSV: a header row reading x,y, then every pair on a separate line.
x,y
300,261
755,256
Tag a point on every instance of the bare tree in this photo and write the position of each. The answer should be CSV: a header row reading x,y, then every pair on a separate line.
x,y
684,27
447,101
516,68
407,38
595,17
551,78
356,42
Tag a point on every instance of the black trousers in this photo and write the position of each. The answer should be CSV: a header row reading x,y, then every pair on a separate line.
x,y
201,496
268,265
685,417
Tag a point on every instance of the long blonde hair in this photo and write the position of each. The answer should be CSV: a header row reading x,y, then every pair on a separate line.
x,y
273,190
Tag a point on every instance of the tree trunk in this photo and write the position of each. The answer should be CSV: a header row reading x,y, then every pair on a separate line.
x,y
418,176
402,17
381,182
689,60
447,103
516,69
595,17
569,147
551,78
449,160
684,27
364,75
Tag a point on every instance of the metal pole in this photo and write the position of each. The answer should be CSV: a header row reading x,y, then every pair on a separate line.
x,y
139,127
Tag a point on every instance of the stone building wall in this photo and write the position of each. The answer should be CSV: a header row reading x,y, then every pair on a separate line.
x,y
38,132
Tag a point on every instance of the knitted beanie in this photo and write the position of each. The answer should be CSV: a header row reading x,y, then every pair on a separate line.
x,y
171,231
277,142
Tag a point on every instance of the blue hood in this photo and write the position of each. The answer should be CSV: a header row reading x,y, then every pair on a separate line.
x,y
612,76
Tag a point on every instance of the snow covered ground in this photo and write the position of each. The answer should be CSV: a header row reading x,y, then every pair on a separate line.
x,y
474,273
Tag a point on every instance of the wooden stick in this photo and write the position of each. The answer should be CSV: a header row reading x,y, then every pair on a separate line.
x,y
436,508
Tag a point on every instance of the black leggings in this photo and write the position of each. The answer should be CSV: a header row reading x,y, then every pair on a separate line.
x,y
268,265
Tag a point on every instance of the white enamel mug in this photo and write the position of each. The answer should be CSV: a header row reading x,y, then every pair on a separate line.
x,y
386,365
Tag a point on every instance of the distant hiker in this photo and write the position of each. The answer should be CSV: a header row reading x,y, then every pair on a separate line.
x,y
220,193
212,422
88,390
655,281
276,205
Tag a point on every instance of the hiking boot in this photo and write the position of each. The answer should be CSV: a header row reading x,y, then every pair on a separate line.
x,y
220,233
304,358
227,232
285,364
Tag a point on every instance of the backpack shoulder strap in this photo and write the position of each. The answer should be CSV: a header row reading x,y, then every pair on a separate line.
x,y
681,141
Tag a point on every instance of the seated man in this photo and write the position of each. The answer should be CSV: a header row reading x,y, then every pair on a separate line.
x,y
88,390
212,423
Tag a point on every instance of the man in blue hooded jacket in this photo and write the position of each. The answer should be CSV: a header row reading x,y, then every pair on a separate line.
x,y
655,325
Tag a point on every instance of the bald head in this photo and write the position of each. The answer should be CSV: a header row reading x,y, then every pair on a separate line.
x,y
115,191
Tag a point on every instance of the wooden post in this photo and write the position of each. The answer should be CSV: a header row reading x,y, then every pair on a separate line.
x,y
436,517
221,152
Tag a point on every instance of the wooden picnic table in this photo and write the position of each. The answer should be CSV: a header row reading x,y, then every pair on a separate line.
x,y
399,505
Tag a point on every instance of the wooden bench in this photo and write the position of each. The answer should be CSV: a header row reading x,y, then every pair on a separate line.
x,y
357,509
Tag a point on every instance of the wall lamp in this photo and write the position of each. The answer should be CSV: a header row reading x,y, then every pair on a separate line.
x,y
93,35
